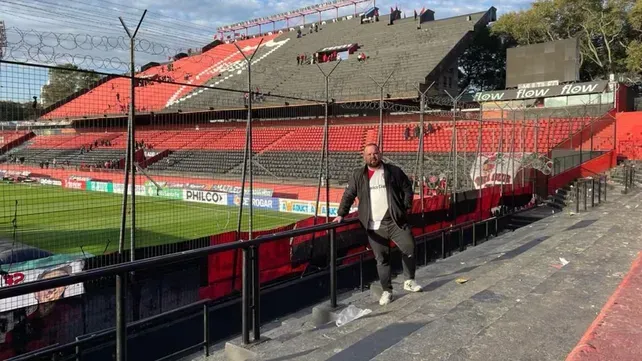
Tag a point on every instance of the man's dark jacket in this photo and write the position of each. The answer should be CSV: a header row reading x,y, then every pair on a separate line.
x,y
398,187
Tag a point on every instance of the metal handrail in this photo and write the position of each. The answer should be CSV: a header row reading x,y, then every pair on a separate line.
x,y
122,268
142,264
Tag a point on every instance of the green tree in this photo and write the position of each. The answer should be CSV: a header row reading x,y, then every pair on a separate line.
x,y
604,28
10,110
483,64
64,81
634,49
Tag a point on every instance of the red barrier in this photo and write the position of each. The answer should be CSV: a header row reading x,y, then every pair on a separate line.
x,y
587,169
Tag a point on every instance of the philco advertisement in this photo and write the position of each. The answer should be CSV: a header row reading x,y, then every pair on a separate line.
x,y
205,197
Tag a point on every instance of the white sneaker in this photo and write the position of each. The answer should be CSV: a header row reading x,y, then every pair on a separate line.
x,y
411,286
386,298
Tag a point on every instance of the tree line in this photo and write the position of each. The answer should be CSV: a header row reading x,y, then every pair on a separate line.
x,y
63,81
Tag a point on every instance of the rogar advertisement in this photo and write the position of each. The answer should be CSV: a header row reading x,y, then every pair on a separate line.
x,y
257,202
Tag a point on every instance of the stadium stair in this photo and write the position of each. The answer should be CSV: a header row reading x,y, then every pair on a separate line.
x,y
412,53
507,282
228,74
112,96
11,140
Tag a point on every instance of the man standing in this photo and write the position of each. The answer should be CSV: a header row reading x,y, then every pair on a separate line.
x,y
385,196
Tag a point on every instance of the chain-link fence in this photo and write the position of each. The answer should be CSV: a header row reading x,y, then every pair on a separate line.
x,y
215,145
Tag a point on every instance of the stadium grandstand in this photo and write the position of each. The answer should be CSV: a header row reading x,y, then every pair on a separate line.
x,y
253,137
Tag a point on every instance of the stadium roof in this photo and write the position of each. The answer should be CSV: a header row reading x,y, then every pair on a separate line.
x,y
290,14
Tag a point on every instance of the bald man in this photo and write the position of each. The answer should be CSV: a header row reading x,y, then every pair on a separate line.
x,y
385,196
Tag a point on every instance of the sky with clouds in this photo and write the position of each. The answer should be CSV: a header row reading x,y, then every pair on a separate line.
x,y
90,33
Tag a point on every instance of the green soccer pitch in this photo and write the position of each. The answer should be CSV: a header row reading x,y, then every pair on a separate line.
x,y
62,220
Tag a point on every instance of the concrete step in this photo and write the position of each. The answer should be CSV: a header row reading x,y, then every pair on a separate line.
x,y
297,336
436,276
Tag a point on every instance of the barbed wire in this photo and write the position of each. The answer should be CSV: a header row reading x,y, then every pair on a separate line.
x,y
95,52
83,49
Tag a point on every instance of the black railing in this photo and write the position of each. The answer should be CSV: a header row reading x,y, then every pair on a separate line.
x,y
250,292
629,176
581,189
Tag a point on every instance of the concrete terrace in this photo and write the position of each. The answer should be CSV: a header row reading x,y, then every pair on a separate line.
x,y
414,55
519,301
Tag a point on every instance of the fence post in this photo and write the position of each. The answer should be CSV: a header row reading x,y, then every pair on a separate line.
x,y
474,234
245,297
333,269
256,293
78,350
121,320
584,192
577,197
361,272
206,329
592,192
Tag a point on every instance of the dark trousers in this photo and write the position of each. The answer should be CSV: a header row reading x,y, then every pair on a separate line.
x,y
380,243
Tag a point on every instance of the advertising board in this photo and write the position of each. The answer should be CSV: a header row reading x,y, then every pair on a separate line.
x,y
308,207
261,192
170,193
205,197
257,202
50,182
119,188
75,184
100,186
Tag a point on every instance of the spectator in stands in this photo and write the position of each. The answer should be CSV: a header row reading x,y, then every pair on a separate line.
x,y
406,133
417,131
385,196
429,128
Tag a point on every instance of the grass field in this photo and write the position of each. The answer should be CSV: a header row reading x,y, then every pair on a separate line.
x,y
62,220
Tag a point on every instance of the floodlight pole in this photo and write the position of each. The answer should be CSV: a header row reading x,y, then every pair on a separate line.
x,y
121,321
381,87
325,152
250,284
455,100
422,105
